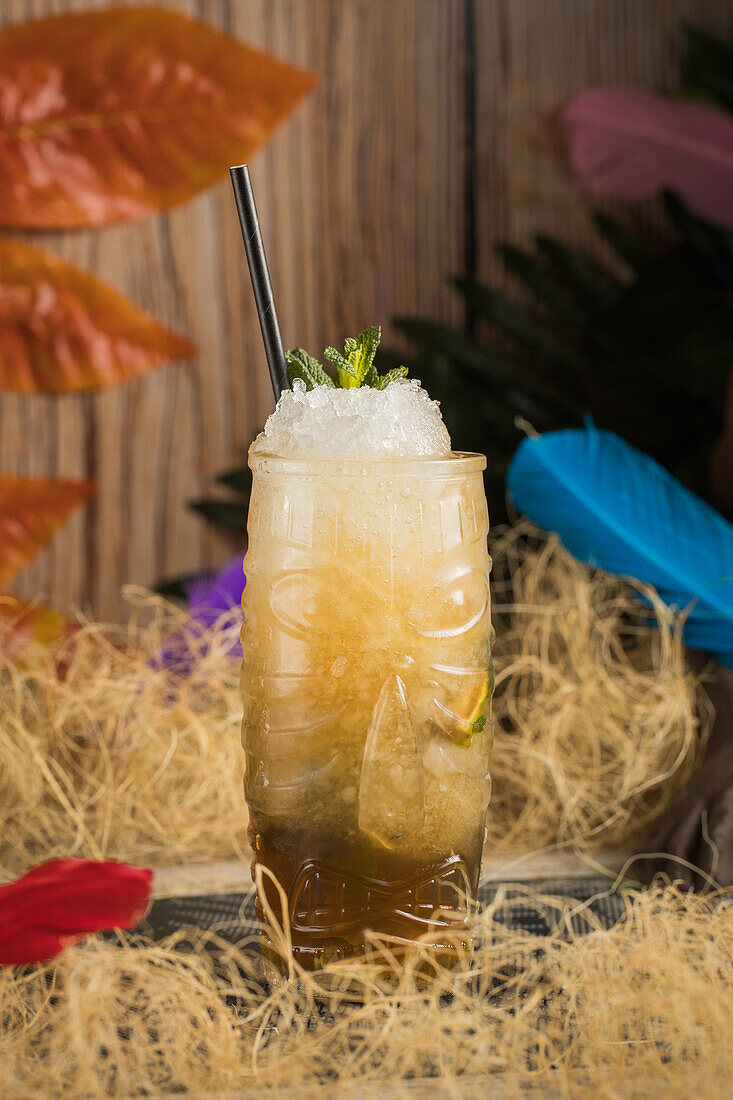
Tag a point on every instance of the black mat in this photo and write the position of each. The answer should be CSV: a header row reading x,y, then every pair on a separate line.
x,y
232,916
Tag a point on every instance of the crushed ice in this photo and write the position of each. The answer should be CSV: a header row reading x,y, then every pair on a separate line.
x,y
399,421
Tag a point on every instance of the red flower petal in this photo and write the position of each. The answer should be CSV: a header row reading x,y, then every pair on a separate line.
x,y
58,902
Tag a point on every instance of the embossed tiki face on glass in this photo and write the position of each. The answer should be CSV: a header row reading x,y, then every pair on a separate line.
x,y
367,683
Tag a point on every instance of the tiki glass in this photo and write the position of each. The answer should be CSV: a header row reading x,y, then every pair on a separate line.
x,y
367,684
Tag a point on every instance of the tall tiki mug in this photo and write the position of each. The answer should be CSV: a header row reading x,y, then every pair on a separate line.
x,y
367,682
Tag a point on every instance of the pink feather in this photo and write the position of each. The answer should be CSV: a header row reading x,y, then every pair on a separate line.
x,y
630,144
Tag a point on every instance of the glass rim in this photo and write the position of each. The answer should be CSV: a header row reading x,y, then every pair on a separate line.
x,y
457,462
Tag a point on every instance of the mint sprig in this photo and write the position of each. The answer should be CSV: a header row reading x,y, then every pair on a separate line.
x,y
391,376
354,368
302,365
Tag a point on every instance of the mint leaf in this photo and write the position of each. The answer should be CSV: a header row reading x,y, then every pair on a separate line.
x,y
302,365
371,378
363,350
391,376
347,376
354,368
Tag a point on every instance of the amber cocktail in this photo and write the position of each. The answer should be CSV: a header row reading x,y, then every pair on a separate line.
x,y
367,683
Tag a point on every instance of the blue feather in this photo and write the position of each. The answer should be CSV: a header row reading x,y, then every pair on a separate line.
x,y
615,507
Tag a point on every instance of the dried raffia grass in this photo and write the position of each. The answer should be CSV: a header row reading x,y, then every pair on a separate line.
x,y
598,720
645,1009
102,754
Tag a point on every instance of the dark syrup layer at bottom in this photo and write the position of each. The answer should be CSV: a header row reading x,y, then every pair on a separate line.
x,y
338,892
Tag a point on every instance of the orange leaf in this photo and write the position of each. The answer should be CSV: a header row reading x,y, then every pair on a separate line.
x,y
62,330
116,114
31,511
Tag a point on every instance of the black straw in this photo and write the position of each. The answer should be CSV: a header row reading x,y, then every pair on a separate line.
x,y
260,275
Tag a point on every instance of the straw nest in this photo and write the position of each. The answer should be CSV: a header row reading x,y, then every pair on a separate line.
x,y
598,720
104,753
644,1009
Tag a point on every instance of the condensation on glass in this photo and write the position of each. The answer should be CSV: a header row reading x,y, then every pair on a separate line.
x,y
367,684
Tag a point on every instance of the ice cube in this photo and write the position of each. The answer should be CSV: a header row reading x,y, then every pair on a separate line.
x,y
392,785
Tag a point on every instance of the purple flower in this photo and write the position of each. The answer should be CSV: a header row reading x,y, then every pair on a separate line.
x,y
209,598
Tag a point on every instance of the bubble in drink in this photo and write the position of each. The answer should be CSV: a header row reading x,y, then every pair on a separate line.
x,y
367,668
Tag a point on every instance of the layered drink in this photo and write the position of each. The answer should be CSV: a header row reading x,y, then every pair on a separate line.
x,y
367,673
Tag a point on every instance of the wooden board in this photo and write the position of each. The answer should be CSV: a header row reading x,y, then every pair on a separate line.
x,y
431,135
233,876
498,1086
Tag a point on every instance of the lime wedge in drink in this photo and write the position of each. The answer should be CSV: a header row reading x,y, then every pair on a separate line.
x,y
459,702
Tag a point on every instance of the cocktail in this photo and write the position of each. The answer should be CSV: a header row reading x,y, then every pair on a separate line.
x,y
367,672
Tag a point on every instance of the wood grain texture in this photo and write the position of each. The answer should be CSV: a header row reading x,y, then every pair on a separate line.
x,y
431,135
233,875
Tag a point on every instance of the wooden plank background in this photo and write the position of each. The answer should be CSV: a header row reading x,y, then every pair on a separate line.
x,y
432,134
